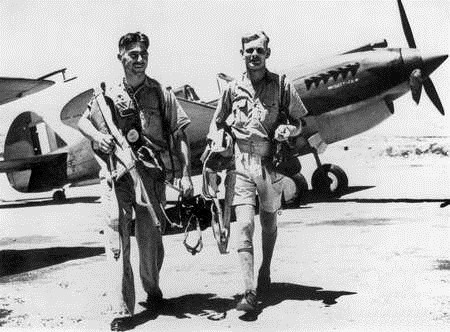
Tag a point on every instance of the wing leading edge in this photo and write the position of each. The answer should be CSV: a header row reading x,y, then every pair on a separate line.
x,y
15,88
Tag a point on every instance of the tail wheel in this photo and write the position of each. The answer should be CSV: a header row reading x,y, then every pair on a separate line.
x,y
330,180
293,189
59,196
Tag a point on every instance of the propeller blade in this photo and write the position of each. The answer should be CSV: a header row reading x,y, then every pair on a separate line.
x,y
431,92
406,27
415,84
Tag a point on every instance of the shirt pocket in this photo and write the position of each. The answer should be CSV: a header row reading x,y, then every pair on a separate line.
x,y
240,110
270,116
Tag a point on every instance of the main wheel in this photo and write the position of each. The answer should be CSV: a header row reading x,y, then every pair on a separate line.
x,y
330,180
293,189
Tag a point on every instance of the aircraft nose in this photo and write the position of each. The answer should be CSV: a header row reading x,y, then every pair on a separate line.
x,y
432,61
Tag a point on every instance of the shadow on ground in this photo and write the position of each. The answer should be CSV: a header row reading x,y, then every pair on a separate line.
x,y
23,203
314,197
20,261
215,308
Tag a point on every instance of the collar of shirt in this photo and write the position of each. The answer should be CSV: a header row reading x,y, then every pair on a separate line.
x,y
148,82
247,83
268,77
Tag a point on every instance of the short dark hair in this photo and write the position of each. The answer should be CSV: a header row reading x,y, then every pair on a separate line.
x,y
253,36
133,37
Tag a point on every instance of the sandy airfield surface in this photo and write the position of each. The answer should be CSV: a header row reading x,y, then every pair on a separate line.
x,y
376,259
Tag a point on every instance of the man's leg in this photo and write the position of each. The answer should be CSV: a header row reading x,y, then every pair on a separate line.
x,y
151,252
269,237
125,196
269,190
245,215
149,239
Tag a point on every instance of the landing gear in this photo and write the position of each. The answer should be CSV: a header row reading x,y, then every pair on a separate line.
x,y
328,179
293,189
59,195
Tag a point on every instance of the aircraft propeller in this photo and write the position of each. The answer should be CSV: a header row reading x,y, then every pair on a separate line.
x,y
417,78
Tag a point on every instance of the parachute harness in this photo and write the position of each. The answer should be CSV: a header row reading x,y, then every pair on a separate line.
x,y
188,210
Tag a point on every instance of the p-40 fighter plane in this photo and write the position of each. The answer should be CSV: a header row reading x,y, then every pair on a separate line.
x,y
345,94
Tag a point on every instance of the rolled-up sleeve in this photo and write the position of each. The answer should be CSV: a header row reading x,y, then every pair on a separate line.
x,y
178,117
223,110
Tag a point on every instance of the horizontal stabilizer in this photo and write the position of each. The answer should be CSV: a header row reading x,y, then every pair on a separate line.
x,y
22,164
74,109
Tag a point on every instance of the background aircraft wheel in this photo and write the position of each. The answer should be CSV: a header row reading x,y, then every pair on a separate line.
x,y
59,195
329,179
293,189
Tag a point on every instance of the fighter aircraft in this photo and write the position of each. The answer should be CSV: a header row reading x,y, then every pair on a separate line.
x,y
346,94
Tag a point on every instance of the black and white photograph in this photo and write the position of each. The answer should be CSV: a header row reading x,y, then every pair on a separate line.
x,y
224,165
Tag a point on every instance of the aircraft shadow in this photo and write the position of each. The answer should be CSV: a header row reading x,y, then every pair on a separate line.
x,y
20,261
210,306
23,203
313,197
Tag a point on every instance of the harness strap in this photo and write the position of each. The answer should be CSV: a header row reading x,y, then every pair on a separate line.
x,y
112,128
199,245
142,197
209,178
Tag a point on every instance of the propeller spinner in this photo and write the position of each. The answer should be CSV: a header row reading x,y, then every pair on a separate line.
x,y
420,76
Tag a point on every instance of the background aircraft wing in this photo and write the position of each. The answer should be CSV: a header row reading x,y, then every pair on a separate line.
x,y
29,162
15,88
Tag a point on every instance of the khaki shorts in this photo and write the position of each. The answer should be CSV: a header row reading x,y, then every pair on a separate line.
x,y
267,184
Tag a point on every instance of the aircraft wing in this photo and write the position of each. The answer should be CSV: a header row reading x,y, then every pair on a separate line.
x,y
28,163
15,88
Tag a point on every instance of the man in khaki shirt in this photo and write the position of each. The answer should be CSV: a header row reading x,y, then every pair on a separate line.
x,y
148,116
249,108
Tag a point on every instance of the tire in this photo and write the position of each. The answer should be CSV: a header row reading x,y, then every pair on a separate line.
x,y
293,190
59,196
329,180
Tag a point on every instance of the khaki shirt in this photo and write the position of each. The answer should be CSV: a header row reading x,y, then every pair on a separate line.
x,y
141,109
252,111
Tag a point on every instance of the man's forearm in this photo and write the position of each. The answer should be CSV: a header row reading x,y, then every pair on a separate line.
x,y
182,144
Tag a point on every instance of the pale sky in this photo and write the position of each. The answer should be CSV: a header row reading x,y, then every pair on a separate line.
x,y
191,41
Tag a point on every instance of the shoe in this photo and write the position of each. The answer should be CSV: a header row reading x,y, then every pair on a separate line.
x,y
248,302
122,324
263,283
154,303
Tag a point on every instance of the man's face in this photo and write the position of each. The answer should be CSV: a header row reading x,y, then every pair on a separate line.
x,y
255,54
134,59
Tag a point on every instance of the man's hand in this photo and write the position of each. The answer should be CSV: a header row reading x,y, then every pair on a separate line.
x,y
186,186
105,142
283,132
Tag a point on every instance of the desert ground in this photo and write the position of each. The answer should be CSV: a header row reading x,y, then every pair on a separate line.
x,y
375,259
